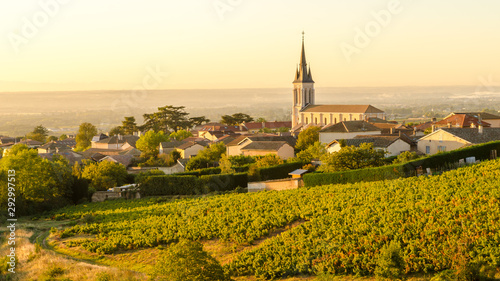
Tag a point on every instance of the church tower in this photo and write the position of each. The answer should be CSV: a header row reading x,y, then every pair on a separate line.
x,y
303,88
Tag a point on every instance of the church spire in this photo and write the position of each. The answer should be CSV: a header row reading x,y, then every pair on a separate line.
x,y
303,75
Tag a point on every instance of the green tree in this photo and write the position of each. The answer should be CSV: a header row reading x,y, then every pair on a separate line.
x,y
166,119
353,158
307,138
51,138
225,165
63,137
236,119
268,160
180,135
260,120
149,143
196,121
187,260
129,126
118,130
104,175
39,133
206,157
315,151
84,137
405,156
41,184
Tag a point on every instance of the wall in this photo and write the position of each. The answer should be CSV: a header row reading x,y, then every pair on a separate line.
x,y
277,185
440,138
326,137
190,151
177,168
397,147
495,123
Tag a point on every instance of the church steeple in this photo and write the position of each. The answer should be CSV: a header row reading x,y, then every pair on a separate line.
x,y
303,75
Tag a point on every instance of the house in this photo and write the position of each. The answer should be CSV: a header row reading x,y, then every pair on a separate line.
x,y
116,142
169,146
447,139
213,131
189,149
70,142
393,145
52,147
492,119
125,160
255,127
97,154
99,137
460,121
72,156
234,147
261,148
347,130
393,128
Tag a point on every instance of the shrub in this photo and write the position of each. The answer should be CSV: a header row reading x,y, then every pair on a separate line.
x,y
187,260
273,173
390,263
225,182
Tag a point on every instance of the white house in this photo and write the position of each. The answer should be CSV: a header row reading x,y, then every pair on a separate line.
x,y
393,145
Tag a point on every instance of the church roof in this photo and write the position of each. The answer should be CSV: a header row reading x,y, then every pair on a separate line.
x,y
342,108
303,75
350,127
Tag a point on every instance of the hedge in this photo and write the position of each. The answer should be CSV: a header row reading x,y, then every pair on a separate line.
x,y
224,182
440,160
275,172
352,176
171,185
191,185
201,172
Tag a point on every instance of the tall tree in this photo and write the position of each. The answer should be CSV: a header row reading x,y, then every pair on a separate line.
x,y
307,138
180,135
118,130
196,121
129,126
236,119
84,136
168,118
39,133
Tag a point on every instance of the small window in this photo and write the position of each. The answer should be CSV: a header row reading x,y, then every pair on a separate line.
x,y
427,150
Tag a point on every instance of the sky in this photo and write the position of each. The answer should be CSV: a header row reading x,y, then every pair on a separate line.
x,y
57,45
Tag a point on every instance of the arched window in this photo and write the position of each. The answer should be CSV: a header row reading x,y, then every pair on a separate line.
x,y
316,120
335,121
307,120
326,122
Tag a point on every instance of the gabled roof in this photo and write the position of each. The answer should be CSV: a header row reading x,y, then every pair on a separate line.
x,y
71,142
471,135
99,137
187,145
227,138
125,160
263,137
350,127
170,144
53,145
269,125
342,108
461,121
120,139
483,115
264,145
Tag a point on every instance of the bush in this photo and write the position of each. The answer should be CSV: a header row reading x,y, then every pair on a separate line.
x,y
188,261
390,263
200,172
171,185
142,176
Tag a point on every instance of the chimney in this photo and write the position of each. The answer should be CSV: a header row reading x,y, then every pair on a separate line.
x,y
480,129
449,124
434,119
433,128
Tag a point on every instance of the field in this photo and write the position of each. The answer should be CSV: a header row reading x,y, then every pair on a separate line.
x,y
437,222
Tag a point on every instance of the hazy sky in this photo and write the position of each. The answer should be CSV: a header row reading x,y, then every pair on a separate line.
x,y
121,44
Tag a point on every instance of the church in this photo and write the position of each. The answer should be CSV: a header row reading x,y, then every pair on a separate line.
x,y
306,112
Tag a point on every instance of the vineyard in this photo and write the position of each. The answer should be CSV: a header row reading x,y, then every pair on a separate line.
x,y
431,219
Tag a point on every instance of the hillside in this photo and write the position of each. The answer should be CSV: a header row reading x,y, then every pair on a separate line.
x,y
341,229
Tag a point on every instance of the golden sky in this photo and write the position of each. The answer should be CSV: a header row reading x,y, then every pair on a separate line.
x,y
210,44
